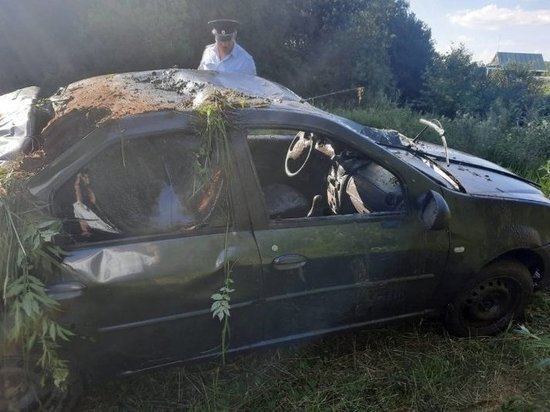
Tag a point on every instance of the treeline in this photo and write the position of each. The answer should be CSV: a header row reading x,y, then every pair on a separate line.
x,y
311,46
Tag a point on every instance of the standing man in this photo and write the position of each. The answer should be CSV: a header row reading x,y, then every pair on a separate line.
x,y
225,55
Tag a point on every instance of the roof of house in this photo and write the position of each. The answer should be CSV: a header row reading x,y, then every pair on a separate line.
x,y
535,61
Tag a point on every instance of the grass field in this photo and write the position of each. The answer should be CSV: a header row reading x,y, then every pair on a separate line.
x,y
411,367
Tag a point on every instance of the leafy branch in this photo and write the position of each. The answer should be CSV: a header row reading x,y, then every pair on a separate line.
x,y
27,252
212,156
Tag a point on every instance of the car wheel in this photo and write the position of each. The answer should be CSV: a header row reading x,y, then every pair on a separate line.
x,y
21,389
487,305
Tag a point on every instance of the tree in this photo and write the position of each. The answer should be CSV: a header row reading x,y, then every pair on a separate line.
x,y
454,85
519,95
411,51
311,46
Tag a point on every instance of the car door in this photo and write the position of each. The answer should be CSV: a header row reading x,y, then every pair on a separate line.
x,y
331,271
147,259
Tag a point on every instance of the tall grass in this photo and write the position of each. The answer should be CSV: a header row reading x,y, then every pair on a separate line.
x,y
412,367
542,177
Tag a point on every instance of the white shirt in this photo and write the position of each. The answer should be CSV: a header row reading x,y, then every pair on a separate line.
x,y
83,212
237,61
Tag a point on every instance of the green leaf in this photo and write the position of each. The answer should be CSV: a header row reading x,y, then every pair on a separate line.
x,y
56,251
36,287
47,301
16,330
47,235
35,307
27,305
60,376
35,281
14,289
64,333
20,257
30,342
217,296
36,242
47,223
53,332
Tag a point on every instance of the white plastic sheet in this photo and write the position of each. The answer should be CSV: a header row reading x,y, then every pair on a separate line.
x,y
16,121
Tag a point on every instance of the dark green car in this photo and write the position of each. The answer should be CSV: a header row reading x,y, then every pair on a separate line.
x,y
322,224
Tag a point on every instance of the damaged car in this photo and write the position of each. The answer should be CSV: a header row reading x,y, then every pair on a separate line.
x,y
322,224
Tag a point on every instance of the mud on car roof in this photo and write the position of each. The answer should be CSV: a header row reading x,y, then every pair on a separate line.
x,y
73,111
176,89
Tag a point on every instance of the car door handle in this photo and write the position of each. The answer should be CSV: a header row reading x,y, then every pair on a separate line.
x,y
289,262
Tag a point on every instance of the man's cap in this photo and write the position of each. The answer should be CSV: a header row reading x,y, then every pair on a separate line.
x,y
224,28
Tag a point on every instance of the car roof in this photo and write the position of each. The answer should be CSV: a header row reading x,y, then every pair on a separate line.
x,y
120,95
83,106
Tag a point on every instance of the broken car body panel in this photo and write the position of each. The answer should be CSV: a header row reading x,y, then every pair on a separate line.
x,y
17,121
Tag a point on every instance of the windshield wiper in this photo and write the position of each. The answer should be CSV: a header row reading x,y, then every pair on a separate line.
x,y
440,131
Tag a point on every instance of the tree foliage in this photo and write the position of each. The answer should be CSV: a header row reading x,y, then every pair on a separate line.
x,y
411,51
455,86
311,46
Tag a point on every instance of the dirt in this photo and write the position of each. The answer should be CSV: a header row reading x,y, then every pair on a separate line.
x,y
83,106
88,104
115,99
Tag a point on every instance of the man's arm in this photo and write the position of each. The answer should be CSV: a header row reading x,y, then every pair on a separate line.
x,y
202,64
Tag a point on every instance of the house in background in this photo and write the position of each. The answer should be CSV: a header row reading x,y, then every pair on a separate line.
x,y
534,61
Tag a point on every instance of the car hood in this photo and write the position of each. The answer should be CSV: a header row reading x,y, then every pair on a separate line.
x,y
478,176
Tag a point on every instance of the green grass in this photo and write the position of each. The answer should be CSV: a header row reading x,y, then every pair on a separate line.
x,y
543,178
411,367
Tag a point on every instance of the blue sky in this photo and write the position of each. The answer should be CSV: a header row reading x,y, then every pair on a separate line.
x,y
486,27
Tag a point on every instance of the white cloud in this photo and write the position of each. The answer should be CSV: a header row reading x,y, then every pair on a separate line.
x,y
492,17
462,38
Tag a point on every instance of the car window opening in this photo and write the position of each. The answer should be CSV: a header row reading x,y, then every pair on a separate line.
x,y
307,175
152,186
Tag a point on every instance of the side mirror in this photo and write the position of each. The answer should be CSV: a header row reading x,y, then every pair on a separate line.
x,y
434,211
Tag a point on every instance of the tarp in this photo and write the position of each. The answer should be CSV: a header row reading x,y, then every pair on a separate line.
x,y
16,121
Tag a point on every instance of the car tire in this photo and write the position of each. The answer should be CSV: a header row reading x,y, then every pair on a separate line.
x,y
21,389
487,305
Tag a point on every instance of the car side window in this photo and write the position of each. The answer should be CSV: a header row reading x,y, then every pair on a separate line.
x,y
143,186
305,175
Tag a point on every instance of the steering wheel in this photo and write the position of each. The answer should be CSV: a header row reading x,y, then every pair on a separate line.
x,y
301,143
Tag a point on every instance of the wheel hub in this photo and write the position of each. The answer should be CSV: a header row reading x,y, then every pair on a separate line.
x,y
489,301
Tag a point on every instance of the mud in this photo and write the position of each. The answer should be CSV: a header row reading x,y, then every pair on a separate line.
x,y
83,106
114,98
